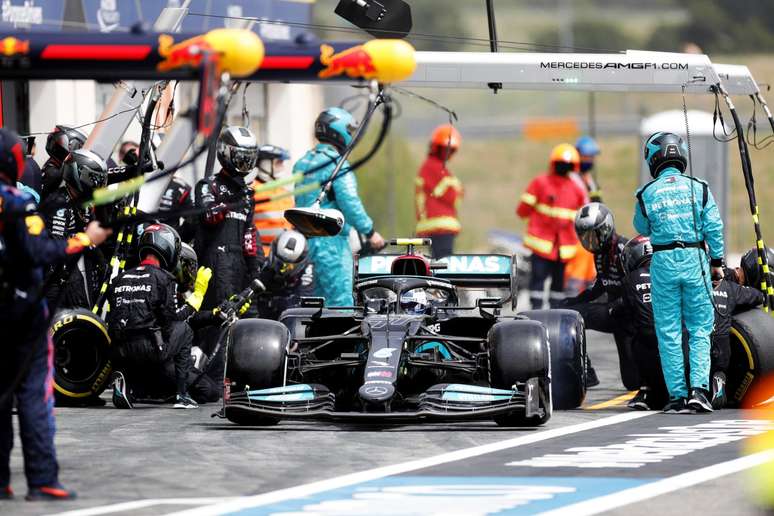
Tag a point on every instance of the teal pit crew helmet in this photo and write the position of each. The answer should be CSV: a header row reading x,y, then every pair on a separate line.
x,y
335,126
664,150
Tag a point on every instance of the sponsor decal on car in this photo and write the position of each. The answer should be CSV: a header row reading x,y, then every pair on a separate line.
x,y
380,374
384,353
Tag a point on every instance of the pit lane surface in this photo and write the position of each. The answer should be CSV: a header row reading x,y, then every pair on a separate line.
x,y
157,460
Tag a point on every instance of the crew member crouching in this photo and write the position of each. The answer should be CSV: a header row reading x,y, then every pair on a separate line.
x,y
146,322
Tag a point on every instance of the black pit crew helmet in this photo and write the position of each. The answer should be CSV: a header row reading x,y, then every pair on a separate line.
x,y
187,267
664,150
84,171
163,242
751,268
63,140
237,150
288,254
595,227
636,253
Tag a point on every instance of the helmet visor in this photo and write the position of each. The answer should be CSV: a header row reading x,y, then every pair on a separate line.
x,y
243,160
593,240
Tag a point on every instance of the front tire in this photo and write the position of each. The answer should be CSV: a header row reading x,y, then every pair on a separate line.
x,y
518,352
256,354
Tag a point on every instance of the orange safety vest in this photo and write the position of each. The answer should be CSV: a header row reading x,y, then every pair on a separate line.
x,y
550,203
438,193
269,217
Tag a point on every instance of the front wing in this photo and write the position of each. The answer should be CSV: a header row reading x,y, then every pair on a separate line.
x,y
443,402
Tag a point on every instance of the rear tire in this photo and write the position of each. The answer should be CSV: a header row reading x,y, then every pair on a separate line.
x,y
518,351
752,353
256,354
567,339
82,350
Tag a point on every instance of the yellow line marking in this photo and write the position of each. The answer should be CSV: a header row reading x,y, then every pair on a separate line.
x,y
618,400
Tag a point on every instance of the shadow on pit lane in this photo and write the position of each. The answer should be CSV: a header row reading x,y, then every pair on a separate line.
x,y
350,427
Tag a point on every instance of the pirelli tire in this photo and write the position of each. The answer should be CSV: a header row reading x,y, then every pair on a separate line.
x,y
82,351
519,351
255,359
752,352
567,340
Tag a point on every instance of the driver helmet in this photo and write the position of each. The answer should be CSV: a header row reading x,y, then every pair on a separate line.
x,y
335,126
636,253
163,242
237,150
84,171
62,141
595,227
414,301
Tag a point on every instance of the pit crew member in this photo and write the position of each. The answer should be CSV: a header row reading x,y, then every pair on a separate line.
x,y
26,369
285,275
679,214
59,143
595,227
332,256
64,213
269,217
637,297
146,322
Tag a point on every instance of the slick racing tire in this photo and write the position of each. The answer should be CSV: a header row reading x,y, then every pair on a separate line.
x,y
255,358
518,351
81,356
752,352
567,339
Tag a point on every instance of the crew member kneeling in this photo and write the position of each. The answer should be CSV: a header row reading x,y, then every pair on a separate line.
x,y
145,320
679,214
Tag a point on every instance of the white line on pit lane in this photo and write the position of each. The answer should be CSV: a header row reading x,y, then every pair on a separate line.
x,y
141,504
397,469
663,486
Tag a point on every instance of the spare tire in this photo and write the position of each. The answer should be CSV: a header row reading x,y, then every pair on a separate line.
x,y
752,352
255,359
81,356
567,340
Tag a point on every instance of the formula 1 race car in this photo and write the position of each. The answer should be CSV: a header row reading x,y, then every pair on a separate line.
x,y
423,342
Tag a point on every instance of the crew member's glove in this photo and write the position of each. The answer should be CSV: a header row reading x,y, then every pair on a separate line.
x,y
215,214
228,305
244,308
201,283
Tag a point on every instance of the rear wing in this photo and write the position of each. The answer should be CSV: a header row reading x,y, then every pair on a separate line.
x,y
463,270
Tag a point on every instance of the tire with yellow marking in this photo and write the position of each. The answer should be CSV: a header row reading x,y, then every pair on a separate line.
x,y
81,356
752,352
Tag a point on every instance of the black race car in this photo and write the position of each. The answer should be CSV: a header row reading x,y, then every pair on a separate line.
x,y
423,342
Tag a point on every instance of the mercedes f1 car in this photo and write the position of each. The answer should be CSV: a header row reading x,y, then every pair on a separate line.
x,y
423,342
